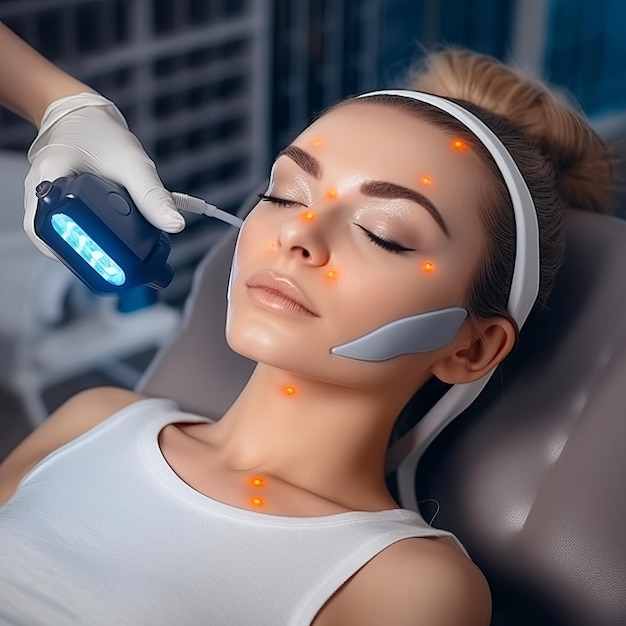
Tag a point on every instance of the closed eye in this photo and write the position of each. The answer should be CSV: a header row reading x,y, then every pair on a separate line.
x,y
385,244
279,201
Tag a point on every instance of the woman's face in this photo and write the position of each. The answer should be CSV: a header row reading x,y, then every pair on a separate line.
x,y
371,215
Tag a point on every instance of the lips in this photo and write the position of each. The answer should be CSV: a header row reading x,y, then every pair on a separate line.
x,y
280,292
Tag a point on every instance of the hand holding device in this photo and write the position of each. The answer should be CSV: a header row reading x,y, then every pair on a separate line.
x,y
87,133
94,228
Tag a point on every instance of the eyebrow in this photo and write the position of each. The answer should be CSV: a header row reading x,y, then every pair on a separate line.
x,y
372,188
383,189
303,159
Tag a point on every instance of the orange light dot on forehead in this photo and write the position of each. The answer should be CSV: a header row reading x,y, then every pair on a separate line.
x,y
289,390
426,180
308,216
257,481
256,501
332,193
459,145
428,267
317,142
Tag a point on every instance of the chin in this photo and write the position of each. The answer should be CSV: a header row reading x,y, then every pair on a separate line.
x,y
308,359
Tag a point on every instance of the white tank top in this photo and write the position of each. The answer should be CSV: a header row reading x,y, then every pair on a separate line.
x,y
103,532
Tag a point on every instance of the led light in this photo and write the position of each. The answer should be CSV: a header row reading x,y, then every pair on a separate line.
x,y
256,501
309,216
317,142
428,267
332,193
257,481
331,274
289,390
271,246
88,249
426,180
459,145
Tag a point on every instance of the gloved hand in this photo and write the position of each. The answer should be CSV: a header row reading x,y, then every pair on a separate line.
x,y
87,133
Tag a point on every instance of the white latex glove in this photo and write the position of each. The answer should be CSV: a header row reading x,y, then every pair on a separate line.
x,y
87,133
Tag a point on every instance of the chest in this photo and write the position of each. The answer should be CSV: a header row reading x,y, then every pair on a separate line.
x,y
200,465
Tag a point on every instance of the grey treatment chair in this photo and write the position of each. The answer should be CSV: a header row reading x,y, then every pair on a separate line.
x,y
532,478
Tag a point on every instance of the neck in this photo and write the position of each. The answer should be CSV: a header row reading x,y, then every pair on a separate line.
x,y
325,438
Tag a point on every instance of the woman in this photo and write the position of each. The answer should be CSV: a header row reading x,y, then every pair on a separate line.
x,y
388,208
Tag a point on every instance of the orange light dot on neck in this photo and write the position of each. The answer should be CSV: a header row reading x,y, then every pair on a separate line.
x,y
459,145
256,501
257,481
289,390
428,267
332,193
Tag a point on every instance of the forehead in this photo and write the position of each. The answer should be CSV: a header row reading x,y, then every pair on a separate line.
x,y
393,140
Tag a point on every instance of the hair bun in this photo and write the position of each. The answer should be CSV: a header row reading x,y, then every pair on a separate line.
x,y
581,158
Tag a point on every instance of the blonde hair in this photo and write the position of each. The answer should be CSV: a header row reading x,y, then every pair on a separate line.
x,y
581,159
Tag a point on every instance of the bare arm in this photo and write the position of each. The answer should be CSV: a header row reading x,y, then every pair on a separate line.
x,y
415,582
75,417
28,81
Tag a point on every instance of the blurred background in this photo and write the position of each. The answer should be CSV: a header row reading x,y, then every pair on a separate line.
x,y
213,89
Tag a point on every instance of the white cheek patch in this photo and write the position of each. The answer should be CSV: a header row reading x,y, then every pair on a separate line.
x,y
410,335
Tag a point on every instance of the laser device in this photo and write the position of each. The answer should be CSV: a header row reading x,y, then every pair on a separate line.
x,y
96,230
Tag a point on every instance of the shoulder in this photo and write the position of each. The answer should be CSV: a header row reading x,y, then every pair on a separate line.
x,y
414,582
76,416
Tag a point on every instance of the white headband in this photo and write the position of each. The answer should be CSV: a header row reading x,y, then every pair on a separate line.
x,y
404,454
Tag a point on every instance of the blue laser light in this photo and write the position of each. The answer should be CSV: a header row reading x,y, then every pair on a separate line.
x,y
95,229
88,249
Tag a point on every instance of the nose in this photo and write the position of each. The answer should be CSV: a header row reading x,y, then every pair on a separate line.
x,y
305,236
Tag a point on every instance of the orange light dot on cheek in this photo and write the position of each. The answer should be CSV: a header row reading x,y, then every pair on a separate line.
x,y
308,216
332,193
332,274
428,267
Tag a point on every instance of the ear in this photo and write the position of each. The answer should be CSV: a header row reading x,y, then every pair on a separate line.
x,y
479,347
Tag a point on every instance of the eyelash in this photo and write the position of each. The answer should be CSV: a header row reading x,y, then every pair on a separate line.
x,y
390,246
279,201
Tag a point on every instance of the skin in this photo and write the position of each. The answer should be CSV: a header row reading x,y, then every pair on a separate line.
x,y
28,81
321,449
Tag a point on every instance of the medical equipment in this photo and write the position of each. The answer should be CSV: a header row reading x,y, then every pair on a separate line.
x,y
95,229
